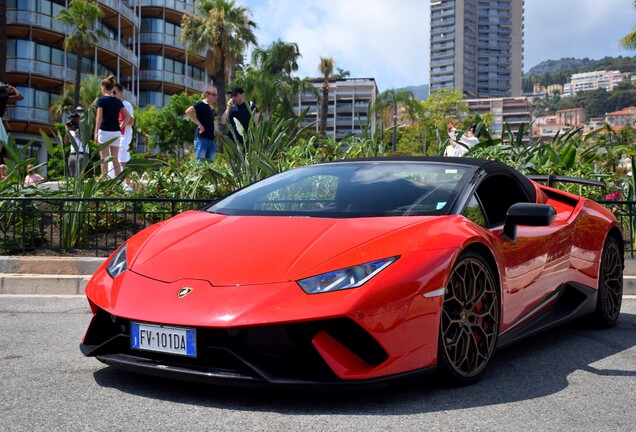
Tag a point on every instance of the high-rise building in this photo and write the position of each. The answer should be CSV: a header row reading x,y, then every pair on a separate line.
x,y
141,48
348,106
477,46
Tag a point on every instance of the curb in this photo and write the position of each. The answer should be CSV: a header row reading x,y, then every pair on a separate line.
x,y
21,275
46,275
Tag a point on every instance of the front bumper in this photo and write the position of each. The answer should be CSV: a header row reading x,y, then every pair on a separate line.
x,y
286,355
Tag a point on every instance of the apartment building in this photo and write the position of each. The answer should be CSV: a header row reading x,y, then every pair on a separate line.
x,y
348,109
571,117
587,81
624,117
141,49
513,111
477,46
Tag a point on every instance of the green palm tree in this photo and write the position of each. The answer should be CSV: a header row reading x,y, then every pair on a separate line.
x,y
90,89
629,40
341,73
225,30
81,16
279,57
269,81
326,71
390,101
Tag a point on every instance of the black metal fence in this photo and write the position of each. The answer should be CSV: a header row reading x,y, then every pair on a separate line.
x,y
80,226
625,212
96,226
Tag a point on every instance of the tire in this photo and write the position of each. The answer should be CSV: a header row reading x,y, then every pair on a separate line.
x,y
469,322
610,285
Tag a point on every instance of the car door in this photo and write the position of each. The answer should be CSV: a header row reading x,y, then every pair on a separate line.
x,y
535,264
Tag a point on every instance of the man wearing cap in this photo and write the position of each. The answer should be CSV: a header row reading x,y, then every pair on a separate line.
x,y
237,109
202,113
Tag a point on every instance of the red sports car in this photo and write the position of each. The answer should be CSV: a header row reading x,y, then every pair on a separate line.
x,y
356,272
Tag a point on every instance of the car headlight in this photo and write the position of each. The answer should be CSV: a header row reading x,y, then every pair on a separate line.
x,y
117,264
351,277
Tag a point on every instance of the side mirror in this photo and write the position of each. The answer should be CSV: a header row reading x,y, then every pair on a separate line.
x,y
527,214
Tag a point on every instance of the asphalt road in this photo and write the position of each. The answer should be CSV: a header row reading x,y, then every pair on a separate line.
x,y
571,378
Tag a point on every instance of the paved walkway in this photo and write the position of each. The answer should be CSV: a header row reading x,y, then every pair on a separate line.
x,y
69,275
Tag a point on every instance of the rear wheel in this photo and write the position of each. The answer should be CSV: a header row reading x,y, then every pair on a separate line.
x,y
470,320
610,285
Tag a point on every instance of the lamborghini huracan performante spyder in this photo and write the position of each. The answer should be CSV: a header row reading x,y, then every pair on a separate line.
x,y
356,272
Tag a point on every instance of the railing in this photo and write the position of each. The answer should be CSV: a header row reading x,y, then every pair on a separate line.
x,y
97,226
80,226
625,212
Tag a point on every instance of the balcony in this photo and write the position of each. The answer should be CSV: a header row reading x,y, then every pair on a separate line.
x,y
28,115
123,8
36,67
30,18
118,49
177,5
172,78
161,39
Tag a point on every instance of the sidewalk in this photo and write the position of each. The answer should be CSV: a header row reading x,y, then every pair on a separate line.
x,y
69,275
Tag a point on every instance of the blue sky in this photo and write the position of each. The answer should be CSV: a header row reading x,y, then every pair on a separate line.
x,y
388,39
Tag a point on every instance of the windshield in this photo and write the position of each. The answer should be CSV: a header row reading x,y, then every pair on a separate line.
x,y
352,189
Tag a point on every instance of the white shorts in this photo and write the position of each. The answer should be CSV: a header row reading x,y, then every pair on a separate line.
x,y
124,149
104,136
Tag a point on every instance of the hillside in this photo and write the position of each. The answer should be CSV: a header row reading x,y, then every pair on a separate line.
x,y
420,92
624,64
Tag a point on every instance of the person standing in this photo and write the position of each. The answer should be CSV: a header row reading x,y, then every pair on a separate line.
x,y
469,139
8,93
107,124
126,130
237,110
453,149
78,157
202,114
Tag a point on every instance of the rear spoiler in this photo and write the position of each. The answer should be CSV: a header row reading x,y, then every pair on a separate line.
x,y
550,179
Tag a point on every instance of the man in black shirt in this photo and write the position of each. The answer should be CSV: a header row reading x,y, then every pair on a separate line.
x,y
237,110
8,93
202,113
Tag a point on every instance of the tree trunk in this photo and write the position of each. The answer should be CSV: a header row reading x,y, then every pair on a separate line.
x,y
3,38
394,139
324,110
78,77
221,89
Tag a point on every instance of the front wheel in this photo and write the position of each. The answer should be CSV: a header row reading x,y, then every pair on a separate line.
x,y
470,320
610,285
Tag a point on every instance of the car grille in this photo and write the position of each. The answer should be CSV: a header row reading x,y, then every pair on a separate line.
x,y
271,353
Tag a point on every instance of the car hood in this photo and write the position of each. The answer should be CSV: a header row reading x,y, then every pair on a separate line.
x,y
244,250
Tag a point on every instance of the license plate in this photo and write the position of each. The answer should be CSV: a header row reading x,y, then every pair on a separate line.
x,y
157,338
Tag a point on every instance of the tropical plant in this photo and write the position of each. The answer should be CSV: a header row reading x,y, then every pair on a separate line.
x,y
261,154
81,16
326,70
341,73
269,81
20,220
438,109
186,180
90,89
225,31
392,100
168,129
629,40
